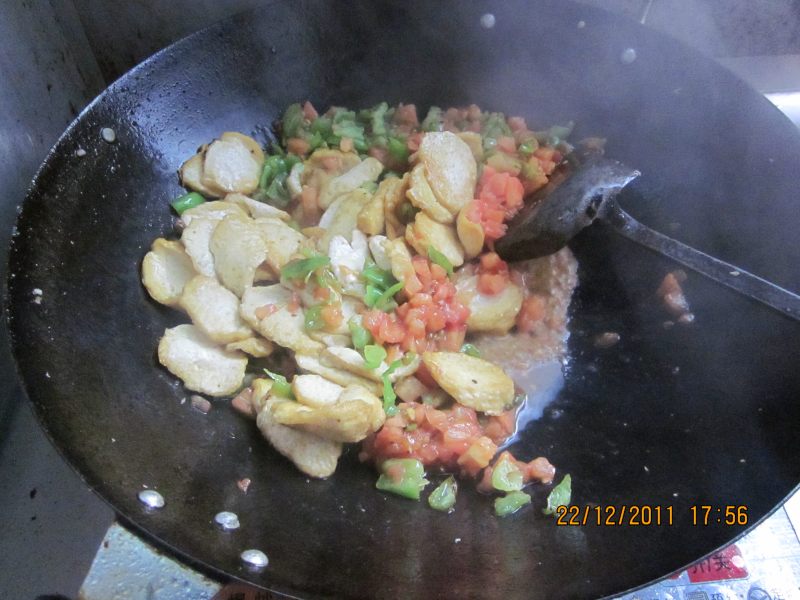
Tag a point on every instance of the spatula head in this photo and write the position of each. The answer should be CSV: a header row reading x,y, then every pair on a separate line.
x,y
560,210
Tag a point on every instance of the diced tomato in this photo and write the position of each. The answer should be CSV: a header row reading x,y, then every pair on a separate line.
x,y
533,310
297,146
406,114
382,154
478,455
262,312
506,144
332,316
493,274
499,199
498,428
517,124
413,141
309,112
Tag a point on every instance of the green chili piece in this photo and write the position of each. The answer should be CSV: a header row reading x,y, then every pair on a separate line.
x,y
506,476
385,300
302,267
528,147
471,350
379,277
187,201
373,356
372,295
440,259
444,496
280,386
313,318
398,149
402,476
292,121
559,495
389,395
433,120
361,337
510,503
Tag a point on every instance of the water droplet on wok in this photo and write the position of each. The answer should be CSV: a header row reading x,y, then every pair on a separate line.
x,y
151,499
254,558
227,520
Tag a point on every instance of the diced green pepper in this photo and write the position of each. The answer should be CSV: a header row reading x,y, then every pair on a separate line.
x,y
528,147
506,475
302,267
444,496
379,277
372,295
559,495
402,476
386,298
398,149
389,395
373,356
361,337
510,503
471,350
313,318
433,120
280,387
440,259
292,122
187,201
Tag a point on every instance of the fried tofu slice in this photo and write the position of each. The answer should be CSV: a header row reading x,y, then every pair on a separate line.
x,y
312,364
470,233
257,210
191,176
473,382
394,194
166,269
202,365
316,391
331,411
239,249
425,233
368,170
282,242
342,216
232,163
450,167
215,210
351,360
215,310
494,314
313,455
255,346
266,309
196,240
420,194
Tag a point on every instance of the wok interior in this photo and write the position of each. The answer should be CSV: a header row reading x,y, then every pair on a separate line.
x,y
708,409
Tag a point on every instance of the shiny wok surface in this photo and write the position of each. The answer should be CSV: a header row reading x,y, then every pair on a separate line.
x,y
705,414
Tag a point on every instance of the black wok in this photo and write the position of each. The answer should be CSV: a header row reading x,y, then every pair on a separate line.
x,y
704,414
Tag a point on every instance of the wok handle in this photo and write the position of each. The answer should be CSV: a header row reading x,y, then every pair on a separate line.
x,y
727,274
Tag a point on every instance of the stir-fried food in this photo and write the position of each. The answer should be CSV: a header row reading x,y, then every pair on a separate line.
x,y
343,287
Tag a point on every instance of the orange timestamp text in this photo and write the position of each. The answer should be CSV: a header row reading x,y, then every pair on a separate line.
x,y
646,515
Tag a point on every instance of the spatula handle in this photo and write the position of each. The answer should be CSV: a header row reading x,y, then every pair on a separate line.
x,y
727,274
